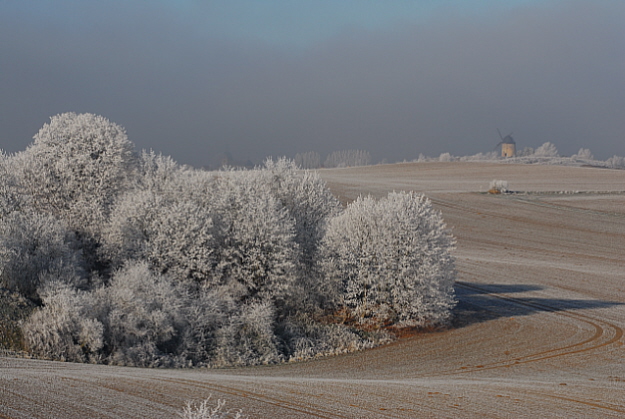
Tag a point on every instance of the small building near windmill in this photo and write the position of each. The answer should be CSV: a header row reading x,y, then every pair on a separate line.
x,y
508,146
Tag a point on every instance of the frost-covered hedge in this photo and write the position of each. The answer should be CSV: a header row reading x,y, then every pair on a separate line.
x,y
133,259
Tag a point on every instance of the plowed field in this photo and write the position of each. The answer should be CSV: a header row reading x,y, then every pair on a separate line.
x,y
538,330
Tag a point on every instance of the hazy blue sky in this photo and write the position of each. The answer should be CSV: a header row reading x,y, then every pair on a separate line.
x,y
194,79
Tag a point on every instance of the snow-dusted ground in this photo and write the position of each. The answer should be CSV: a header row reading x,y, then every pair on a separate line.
x,y
539,329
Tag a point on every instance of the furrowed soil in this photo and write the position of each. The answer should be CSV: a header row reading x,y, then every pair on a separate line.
x,y
538,330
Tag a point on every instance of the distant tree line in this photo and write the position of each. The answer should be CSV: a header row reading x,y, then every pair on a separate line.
x,y
133,259
547,153
342,158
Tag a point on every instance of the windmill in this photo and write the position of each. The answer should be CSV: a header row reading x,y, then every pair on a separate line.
x,y
508,146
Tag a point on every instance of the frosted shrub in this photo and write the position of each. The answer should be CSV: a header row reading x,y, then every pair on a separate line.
x,y
182,243
307,338
248,337
131,225
445,157
306,198
143,315
63,329
204,410
498,187
165,219
32,245
390,261
209,310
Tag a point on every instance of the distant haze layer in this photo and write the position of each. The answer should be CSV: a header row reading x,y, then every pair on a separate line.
x,y
195,80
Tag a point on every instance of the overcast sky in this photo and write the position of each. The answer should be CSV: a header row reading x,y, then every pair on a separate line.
x,y
197,78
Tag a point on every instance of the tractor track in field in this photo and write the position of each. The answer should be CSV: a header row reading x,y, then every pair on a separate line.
x,y
602,330
593,404
560,207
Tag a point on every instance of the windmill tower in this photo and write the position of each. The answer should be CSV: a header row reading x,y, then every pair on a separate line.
x,y
508,146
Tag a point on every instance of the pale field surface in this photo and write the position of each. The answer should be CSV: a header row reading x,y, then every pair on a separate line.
x,y
538,329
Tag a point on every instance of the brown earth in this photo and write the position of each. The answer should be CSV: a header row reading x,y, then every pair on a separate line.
x,y
538,329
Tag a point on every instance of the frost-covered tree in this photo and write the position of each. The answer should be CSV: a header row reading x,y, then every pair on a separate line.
x,y
76,167
10,197
165,219
174,237
348,158
445,157
390,261
583,154
254,236
616,162
546,150
33,246
308,201
219,228
156,172
308,160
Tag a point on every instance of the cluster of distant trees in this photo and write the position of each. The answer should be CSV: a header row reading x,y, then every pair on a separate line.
x,y
342,158
133,259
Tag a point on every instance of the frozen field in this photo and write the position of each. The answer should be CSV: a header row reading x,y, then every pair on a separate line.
x,y
538,331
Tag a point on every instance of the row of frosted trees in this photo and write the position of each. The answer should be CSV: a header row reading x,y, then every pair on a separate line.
x,y
133,259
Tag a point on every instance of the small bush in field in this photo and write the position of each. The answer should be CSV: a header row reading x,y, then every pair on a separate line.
x,y
498,187
207,410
